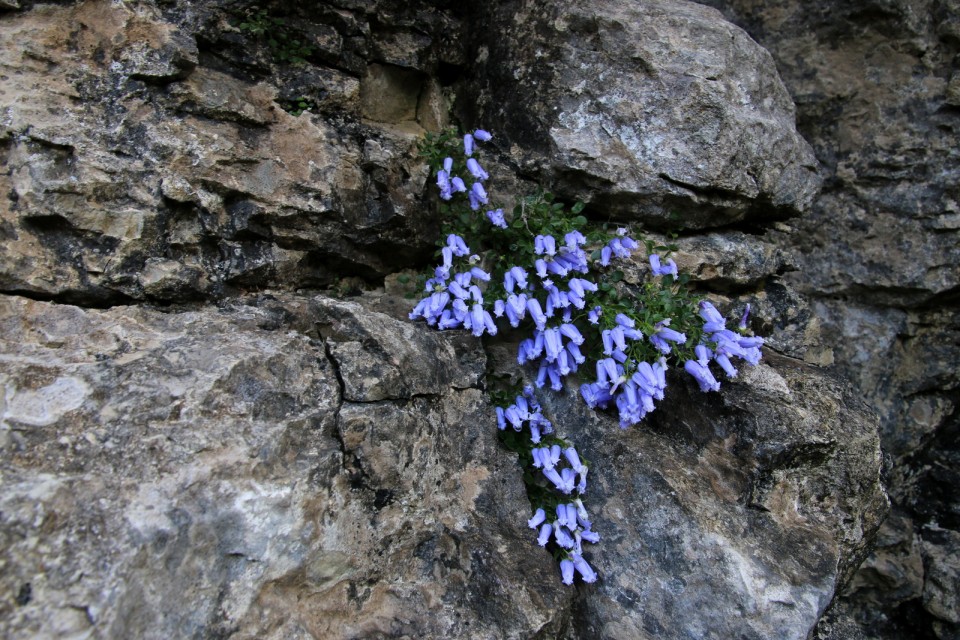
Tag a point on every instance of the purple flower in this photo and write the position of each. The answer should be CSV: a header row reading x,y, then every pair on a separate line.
x,y
481,135
571,455
702,375
709,313
745,318
553,476
575,239
538,518
456,184
658,270
457,245
496,218
476,170
545,245
468,145
726,365
443,182
582,485
664,334
584,569
545,532
571,332
563,538
479,274
566,571
448,165
477,196
590,536
540,320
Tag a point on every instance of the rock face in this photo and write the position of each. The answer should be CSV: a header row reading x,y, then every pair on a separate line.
x,y
145,160
733,515
878,260
643,110
293,466
227,472
288,467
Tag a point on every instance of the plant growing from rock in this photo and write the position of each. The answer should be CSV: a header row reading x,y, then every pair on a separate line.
x,y
283,42
544,270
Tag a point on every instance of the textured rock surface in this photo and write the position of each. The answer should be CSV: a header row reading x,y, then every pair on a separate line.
x,y
238,471
146,160
733,515
878,256
229,457
643,110
213,473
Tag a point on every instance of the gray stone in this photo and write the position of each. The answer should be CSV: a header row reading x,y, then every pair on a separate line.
x,y
877,255
206,472
730,515
941,561
134,152
643,110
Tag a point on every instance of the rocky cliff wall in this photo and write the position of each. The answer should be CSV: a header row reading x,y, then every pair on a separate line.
x,y
196,444
876,90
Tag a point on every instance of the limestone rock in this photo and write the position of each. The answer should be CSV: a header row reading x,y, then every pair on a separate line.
x,y
133,151
877,255
643,110
740,511
208,472
233,470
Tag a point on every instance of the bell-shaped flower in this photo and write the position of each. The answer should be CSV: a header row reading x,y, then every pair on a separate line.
x,y
476,170
702,375
496,218
457,245
709,313
545,531
443,183
477,196
540,320
571,455
501,419
571,332
457,185
584,569
481,135
590,536
582,485
468,145
566,571
538,518
744,319
726,365
563,537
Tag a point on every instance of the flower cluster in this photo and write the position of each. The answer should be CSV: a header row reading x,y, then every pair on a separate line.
x,y
456,302
726,344
543,270
568,525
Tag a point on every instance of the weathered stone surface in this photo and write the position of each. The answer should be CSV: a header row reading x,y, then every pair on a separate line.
x,y
231,471
733,515
643,110
941,590
878,253
121,148
203,473
145,155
